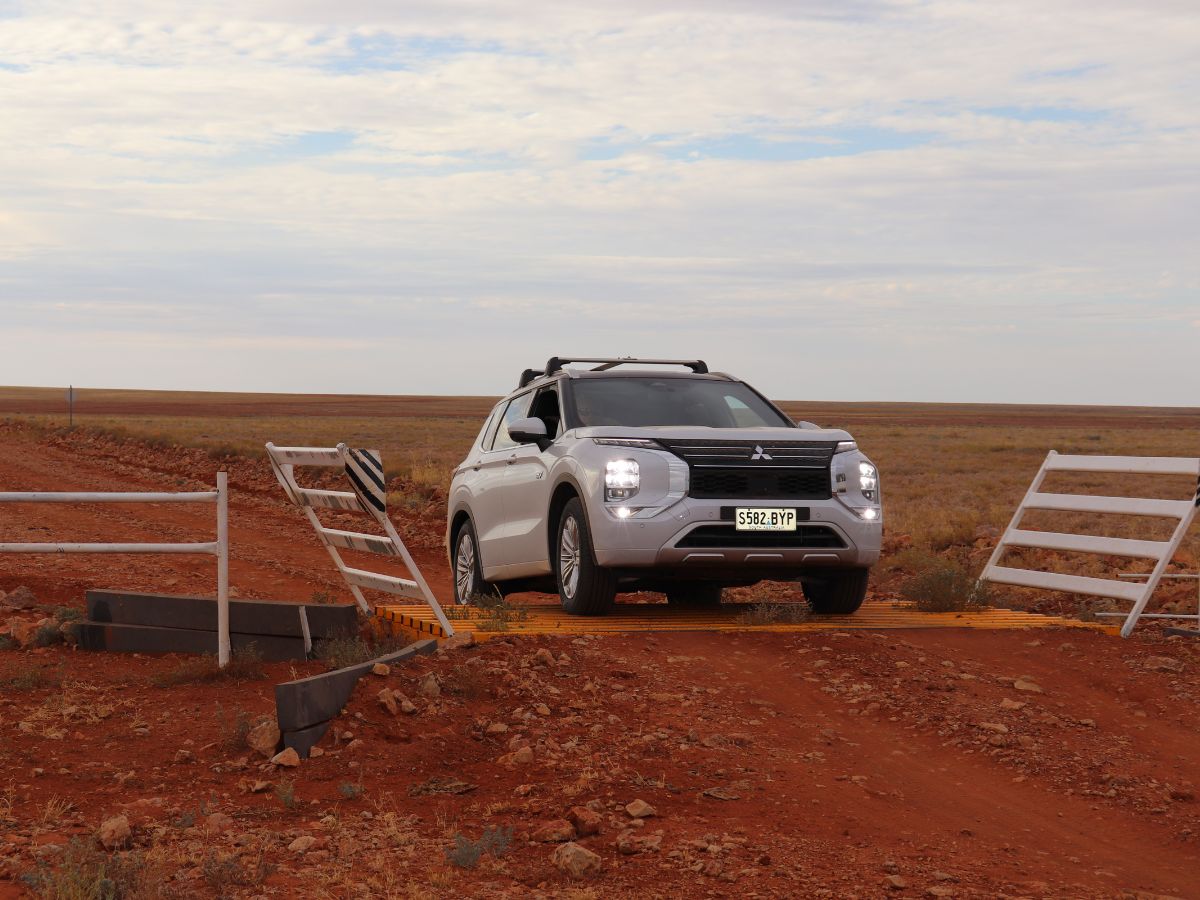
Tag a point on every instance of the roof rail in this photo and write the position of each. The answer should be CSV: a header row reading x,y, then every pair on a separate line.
x,y
556,363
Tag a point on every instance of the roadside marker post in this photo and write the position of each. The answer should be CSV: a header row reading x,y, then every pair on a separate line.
x,y
1160,552
364,470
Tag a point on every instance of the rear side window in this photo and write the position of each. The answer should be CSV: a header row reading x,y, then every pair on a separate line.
x,y
516,409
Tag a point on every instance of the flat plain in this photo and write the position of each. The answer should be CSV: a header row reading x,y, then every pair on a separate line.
x,y
830,764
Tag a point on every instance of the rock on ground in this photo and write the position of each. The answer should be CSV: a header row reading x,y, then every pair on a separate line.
x,y
576,861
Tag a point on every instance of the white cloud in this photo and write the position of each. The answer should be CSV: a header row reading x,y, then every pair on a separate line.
x,y
888,173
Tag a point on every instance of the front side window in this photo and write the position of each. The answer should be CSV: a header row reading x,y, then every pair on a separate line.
x,y
649,402
516,410
546,407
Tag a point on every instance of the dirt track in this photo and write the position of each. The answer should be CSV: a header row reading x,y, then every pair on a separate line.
x,y
845,759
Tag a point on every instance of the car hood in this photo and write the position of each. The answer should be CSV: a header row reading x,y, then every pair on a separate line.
x,y
695,432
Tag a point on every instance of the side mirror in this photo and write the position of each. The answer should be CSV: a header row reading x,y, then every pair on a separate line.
x,y
530,431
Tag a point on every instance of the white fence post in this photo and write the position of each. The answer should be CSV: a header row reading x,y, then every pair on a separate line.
x,y
222,569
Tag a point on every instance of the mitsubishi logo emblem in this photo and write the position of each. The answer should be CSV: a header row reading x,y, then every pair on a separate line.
x,y
760,453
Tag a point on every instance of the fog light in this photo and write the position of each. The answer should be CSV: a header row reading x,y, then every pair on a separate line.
x,y
870,514
624,512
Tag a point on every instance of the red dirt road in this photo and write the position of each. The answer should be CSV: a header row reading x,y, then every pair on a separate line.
x,y
837,765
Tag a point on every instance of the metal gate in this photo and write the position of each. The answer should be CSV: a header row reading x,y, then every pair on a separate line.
x,y
1160,552
364,470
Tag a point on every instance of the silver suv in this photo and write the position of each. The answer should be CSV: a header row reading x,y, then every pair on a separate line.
x,y
629,476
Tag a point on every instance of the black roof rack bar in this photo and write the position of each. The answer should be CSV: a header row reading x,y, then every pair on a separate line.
x,y
528,375
557,362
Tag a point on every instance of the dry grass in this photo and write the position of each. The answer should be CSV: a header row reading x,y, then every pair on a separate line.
x,y
951,473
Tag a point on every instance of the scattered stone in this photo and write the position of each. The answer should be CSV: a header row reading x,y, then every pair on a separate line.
x,y
302,844
541,709
459,640
557,831
496,728
430,686
523,756
387,699
381,669
1162,664
315,752
217,823
720,793
895,882
264,737
994,726
114,833
586,821
543,657
939,890
1012,704
288,757
259,787
183,757
575,861
640,809
1024,684
437,785
19,598
630,843
23,631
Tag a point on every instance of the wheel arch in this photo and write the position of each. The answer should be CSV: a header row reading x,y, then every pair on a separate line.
x,y
564,491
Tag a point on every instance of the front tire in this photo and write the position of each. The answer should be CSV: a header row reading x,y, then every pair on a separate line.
x,y
694,594
839,593
584,588
468,573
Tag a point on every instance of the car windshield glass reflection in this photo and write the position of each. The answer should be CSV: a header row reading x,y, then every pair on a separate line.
x,y
649,402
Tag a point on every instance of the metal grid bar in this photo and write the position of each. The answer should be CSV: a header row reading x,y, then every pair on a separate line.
x,y
218,548
1159,551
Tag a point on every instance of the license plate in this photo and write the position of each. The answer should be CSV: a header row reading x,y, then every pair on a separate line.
x,y
759,519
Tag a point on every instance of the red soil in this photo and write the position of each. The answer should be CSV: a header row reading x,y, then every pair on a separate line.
x,y
844,758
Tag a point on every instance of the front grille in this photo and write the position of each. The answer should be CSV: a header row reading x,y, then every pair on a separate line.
x,y
819,537
756,470
755,454
760,484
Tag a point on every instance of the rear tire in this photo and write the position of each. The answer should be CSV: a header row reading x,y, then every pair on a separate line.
x,y
839,593
584,588
468,573
694,594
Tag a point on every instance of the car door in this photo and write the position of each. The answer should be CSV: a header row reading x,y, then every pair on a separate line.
x,y
487,504
526,492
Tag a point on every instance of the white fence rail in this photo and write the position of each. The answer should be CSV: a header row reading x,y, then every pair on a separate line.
x,y
218,548
1160,552
364,469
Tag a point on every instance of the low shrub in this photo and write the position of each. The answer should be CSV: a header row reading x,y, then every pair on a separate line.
x,y
945,587
244,665
84,872
466,853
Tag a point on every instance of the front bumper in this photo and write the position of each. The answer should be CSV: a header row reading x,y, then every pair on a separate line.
x,y
663,540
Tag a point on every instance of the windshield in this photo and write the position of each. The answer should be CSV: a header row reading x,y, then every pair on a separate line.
x,y
649,402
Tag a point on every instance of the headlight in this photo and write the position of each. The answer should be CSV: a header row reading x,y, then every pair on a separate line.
x,y
868,480
845,446
622,478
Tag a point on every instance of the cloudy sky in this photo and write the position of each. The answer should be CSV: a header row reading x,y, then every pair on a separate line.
x,y
862,199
